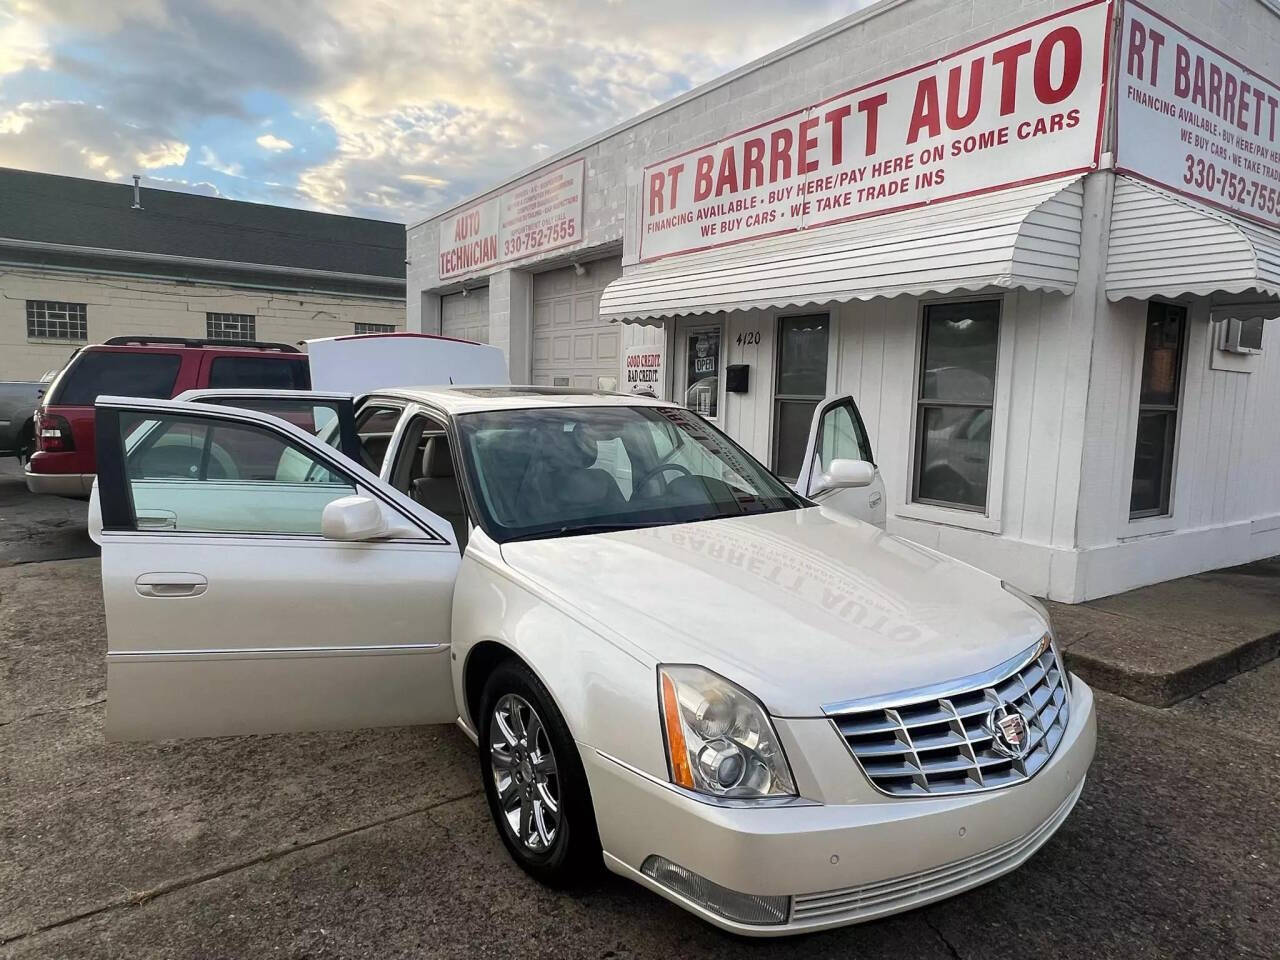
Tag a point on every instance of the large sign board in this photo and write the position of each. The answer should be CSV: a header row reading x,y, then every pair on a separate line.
x,y
1021,107
1194,120
531,218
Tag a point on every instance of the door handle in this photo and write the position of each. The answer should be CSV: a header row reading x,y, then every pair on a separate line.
x,y
162,585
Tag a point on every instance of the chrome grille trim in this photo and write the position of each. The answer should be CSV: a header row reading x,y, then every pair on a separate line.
x,y
888,896
935,740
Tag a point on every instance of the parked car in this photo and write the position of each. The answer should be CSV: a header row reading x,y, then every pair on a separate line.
x,y
770,713
18,400
64,461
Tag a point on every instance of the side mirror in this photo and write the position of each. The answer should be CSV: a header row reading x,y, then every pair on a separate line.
x,y
845,473
353,518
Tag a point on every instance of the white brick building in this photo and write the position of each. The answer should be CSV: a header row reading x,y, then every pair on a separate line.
x,y
1040,244
79,263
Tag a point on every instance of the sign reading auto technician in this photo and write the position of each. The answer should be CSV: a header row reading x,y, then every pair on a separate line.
x,y
531,218
1196,121
1021,107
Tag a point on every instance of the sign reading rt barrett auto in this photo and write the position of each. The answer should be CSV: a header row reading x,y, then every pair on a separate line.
x,y
1020,107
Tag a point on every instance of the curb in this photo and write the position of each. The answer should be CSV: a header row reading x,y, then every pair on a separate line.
x,y
1164,689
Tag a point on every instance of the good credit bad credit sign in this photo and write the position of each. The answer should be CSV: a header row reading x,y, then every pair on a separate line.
x,y
1196,121
1024,106
533,217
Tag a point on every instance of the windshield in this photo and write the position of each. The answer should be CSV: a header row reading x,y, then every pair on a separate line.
x,y
564,470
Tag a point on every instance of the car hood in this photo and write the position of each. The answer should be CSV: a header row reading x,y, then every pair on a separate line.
x,y
803,608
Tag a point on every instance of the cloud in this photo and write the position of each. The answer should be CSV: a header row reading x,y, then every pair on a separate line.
x,y
380,109
269,141
210,159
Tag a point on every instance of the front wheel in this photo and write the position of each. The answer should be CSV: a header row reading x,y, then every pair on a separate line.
x,y
534,781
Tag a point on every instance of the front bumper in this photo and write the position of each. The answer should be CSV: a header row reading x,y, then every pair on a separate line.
x,y
75,485
854,856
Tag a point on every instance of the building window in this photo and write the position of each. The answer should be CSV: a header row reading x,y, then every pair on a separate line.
x,y
956,402
1158,410
375,328
800,386
54,320
230,326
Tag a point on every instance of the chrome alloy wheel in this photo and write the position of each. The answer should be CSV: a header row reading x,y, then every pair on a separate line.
x,y
524,773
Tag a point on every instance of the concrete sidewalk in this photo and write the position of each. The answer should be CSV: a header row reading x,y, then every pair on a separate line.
x,y
1163,643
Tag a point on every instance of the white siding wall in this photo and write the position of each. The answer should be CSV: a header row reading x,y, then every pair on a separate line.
x,y
118,306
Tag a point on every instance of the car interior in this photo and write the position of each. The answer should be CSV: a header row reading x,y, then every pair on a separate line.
x,y
424,470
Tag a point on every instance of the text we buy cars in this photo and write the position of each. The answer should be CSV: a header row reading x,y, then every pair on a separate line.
x,y
977,120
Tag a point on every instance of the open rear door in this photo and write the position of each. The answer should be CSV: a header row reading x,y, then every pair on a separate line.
x,y
837,433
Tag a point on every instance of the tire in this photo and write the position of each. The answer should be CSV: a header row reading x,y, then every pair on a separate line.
x,y
560,846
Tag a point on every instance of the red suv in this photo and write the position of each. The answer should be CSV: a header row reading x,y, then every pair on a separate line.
x,y
158,367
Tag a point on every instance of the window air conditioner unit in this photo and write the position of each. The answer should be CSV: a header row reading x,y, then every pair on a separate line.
x,y
1243,336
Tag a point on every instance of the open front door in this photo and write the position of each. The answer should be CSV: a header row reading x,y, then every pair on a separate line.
x,y
837,433
258,581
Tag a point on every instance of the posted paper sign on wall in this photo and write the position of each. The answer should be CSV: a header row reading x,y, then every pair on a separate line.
x,y
644,370
1024,106
1196,121
531,218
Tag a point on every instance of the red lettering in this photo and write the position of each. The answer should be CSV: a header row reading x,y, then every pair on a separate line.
x,y
924,115
807,142
657,183
1214,102
1137,47
727,179
1007,60
673,175
835,120
871,107
702,178
1068,38
780,155
753,163
1157,41
955,119
1181,72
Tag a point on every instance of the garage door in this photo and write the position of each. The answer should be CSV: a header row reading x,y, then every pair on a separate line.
x,y
466,318
571,347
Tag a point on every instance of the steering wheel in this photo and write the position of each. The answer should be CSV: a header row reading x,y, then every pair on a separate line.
x,y
655,471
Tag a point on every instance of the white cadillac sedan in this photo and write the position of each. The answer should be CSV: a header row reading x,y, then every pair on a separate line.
x,y
771,713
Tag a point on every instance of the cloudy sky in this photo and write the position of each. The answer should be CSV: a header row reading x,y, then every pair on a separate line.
x,y
389,110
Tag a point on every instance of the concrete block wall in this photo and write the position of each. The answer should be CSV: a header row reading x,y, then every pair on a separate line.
x,y
118,306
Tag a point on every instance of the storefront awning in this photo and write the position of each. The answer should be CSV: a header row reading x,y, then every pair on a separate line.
x,y
1027,237
1163,245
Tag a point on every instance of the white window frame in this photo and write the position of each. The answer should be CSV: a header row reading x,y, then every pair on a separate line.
x,y
990,520
686,326
368,328
1197,339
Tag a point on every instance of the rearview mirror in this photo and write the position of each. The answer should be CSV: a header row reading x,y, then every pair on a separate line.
x,y
353,518
845,473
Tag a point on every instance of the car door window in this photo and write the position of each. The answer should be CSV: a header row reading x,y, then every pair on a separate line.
x,y
841,437
199,475
374,426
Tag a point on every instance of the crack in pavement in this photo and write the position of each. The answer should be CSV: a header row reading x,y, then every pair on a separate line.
x,y
951,950
137,898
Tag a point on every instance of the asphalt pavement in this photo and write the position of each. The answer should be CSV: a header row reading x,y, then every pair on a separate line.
x,y
378,844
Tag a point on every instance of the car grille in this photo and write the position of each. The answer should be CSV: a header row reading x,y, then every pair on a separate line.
x,y
902,893
927,744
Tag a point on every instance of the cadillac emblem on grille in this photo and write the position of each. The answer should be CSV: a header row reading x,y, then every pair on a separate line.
x,y
1008,730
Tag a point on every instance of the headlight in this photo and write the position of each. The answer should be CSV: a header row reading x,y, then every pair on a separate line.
x,y
719,738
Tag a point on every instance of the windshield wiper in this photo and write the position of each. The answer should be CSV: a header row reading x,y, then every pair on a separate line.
x,y
586,528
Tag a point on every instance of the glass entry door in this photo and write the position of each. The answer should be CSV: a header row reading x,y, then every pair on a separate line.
x,y
799,387
699,368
